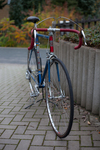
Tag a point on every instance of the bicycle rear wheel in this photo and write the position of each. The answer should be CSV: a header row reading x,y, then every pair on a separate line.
x,y
32,71
32,61
59,98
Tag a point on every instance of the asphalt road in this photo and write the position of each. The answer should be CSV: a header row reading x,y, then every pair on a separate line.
x,y
17,55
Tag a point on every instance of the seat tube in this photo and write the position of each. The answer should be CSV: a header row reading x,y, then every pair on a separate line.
x,y
51,42
38,60
49,71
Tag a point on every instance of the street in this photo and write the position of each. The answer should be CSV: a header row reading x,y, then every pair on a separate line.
x,y
17,55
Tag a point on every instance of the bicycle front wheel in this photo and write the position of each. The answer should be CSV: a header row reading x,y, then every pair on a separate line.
x,y
59,98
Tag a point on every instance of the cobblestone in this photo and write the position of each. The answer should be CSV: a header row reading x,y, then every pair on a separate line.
x,y
29,129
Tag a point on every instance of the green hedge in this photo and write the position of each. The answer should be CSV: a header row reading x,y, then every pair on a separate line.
x,y
92,36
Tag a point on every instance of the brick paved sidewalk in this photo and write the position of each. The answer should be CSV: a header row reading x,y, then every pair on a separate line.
x,y
22,129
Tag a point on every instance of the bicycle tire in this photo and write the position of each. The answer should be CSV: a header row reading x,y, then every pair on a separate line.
x,y
59,98
32,68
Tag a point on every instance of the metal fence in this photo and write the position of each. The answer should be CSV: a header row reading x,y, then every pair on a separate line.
x,y
84,23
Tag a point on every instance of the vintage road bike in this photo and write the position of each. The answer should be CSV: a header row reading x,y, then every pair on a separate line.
x,y
54,78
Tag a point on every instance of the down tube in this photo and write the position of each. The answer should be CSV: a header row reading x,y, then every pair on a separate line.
x,y
58,72
44,73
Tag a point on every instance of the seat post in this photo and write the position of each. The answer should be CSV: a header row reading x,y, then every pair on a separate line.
x,y
35,25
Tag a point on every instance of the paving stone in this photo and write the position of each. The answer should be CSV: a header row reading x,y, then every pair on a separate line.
x,y
44,122
86,141
73,145
7,127
38,140
89,128
7,134
1,131
19,123
10,147
6,121
9,141
41,148
20,130
23,137
33,126
70,138
50,135
1,146
75,126
95,135
96,143
55,143
90,148
23,145
80,133
60,148
16,109
35,132
18,118
29,114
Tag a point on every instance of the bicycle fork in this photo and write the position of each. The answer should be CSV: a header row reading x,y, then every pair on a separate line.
x,y
61,93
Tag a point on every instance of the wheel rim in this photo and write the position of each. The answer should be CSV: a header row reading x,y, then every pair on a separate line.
x,y
58,100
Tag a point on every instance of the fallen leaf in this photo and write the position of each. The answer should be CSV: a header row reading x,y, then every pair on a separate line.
x,y
88,122
83,117
75,119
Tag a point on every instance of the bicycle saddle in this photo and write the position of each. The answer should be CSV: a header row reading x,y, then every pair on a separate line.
x,y
33,19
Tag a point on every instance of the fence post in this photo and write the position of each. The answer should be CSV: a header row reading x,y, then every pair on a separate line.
x,y
80,74
75,74
84,77
95,21
96,92
68,56
76,24
83,22
90,79
71,61
89,20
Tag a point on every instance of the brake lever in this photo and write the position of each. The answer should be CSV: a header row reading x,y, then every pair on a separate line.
x,y
83,34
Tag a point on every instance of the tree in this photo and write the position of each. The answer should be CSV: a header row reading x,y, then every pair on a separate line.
x,y
27,4
19,9
15,12
58,2
38,5
86,6
2,4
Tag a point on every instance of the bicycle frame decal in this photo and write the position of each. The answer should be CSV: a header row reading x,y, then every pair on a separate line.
x,y
51,43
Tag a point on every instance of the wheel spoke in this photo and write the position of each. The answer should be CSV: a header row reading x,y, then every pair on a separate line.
x,y
59,98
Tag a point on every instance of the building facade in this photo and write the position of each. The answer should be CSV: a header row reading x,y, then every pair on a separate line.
x,y
5,11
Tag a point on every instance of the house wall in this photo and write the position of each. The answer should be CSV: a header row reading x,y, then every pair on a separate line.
x,y
4,12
